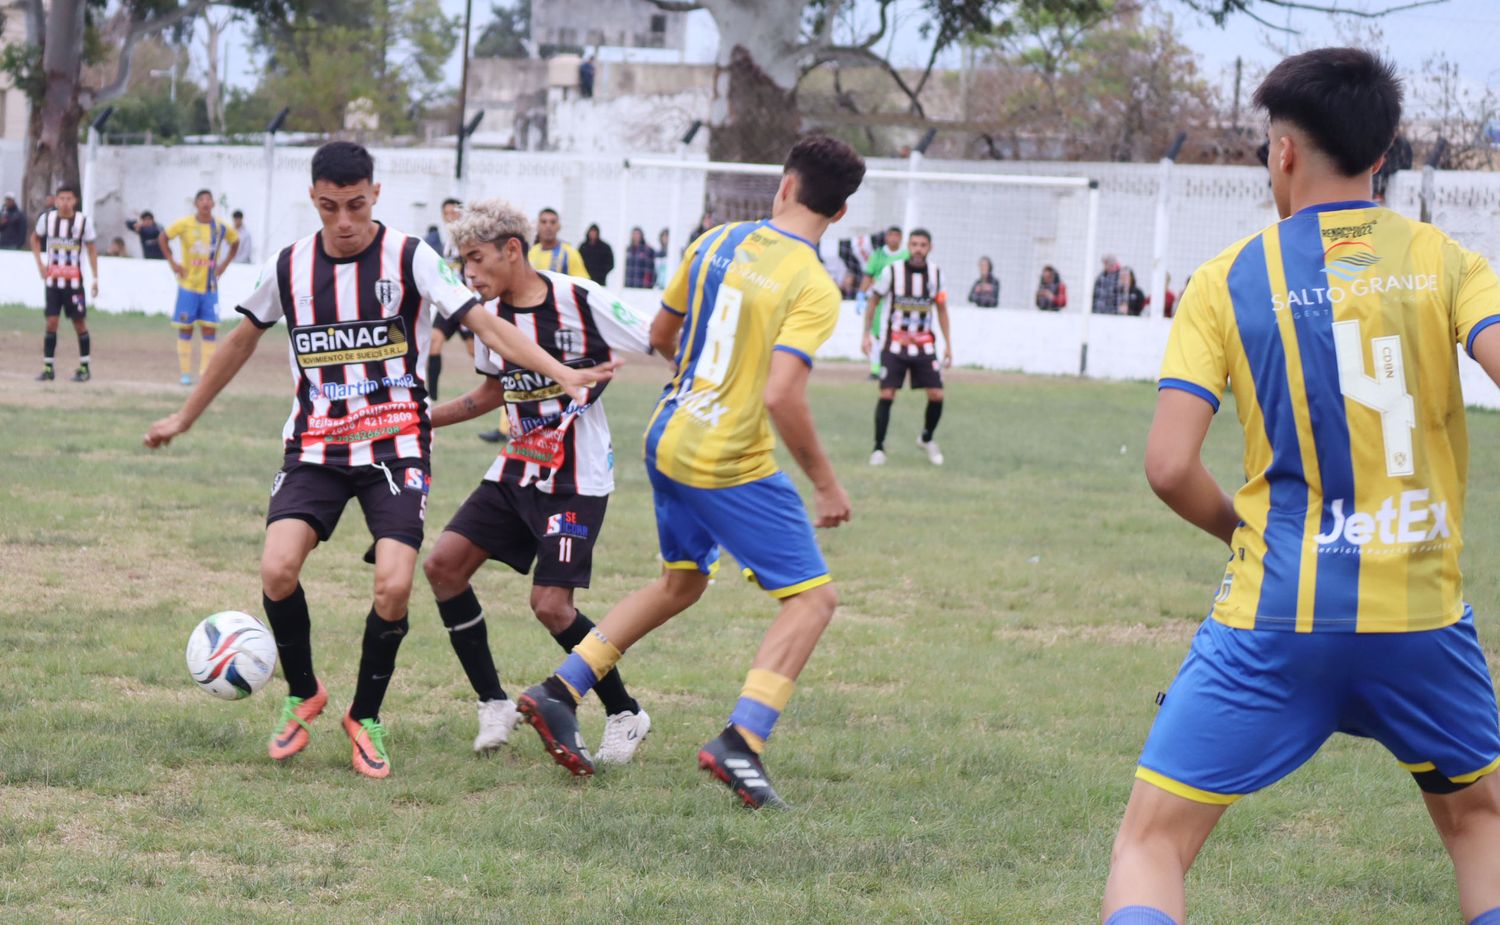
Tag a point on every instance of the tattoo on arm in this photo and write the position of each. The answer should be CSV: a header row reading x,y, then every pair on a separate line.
x,y
469,405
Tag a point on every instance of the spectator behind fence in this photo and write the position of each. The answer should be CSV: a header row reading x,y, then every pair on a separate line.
x,y
586,90
598,257
1051,292
12,225
434,238
1109,289
985,293
703,228
1169,298
150,234
1135,298
243,254
640,261
661,260
116,248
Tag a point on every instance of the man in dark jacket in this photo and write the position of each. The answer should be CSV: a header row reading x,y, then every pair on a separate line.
x,y
598,258
150,233
12,225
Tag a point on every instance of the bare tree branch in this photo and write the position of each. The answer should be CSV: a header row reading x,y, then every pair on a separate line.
x,y
1344,11
825,35
861,55
139,30
676,6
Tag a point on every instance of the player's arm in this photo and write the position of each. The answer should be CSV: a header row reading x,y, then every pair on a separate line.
x,y
666,331
165,243
786,402
942,313
1174,463
234,248
232,354
93,268
36,252
477,402
506,339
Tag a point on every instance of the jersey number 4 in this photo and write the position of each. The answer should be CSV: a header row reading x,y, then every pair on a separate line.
x,y
1384,392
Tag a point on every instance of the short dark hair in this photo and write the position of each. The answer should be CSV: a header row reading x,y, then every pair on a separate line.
x,y
895,228
68,188
829,172
204,192
1347,100
920,233
450,201
548,209
342,163
147,213
237,214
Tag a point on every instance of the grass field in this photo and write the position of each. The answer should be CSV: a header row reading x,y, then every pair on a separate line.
x,y
959,749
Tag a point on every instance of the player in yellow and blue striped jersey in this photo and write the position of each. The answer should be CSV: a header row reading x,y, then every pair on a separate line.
x,y
1341,609
744,315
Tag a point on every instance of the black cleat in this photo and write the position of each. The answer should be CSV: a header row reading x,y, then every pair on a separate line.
x,y
555,719
46,375
81,374
732,761
492,436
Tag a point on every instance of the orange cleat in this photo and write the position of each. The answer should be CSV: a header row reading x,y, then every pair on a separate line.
x,y
293,734
368,737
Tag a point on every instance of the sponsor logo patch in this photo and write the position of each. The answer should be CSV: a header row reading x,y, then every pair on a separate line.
x,y
417,480
387,292
349,342
566,524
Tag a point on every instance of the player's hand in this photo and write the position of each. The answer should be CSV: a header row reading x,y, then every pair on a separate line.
x,y
947,359
578,381
866,344
94,289
162,432
831,505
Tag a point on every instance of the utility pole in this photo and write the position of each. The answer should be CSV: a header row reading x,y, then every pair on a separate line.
x,y
463,94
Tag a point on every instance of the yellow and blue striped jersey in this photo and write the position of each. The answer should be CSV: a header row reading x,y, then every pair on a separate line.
x,y
746,290
1335,330
561,258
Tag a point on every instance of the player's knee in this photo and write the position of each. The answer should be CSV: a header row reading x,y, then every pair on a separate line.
x,y
934,394
554,611
887,394
440,571
392,592
279,575
683,587
821,601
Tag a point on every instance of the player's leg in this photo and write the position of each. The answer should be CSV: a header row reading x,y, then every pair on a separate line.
x,y
1245,709
435,356
77,311
927,374
1159,837
892,374
208,329
184,314
53,310
1469,822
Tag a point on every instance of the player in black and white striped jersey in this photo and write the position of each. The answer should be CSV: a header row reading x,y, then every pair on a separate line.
x,y
914,288
65,235
355,298
543,500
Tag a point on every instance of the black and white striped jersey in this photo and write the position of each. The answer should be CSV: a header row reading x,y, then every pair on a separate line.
x,y
910,295
359,331
554,445
63,242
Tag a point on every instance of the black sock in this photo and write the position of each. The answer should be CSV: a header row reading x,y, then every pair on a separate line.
x,y
934,414
464,619
293,630
83,349
49,347
434,372
882,420
377,662
611,687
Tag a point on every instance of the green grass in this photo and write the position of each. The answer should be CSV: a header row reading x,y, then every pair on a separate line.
x,y
959,749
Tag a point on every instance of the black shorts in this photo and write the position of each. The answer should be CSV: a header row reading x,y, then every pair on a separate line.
x,y
317,494
447,325
66,302
517,526
924,369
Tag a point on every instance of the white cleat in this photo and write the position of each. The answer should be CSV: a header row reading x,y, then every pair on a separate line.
x,y
496,719
934,455
623,734
877,458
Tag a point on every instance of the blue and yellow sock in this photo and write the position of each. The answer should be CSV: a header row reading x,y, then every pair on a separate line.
x,y
1492,917
210,336
589,661
185,349
762,699
1140,915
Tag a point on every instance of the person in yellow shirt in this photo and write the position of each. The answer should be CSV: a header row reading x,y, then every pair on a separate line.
x,y
550,253
744,315
198,272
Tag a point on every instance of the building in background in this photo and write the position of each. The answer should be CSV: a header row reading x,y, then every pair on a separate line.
x,y
585,24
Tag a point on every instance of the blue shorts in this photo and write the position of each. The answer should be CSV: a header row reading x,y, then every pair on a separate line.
x,y
763,524
1248,707
202,307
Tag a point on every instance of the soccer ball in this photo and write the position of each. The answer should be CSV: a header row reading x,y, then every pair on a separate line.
x,y
231,655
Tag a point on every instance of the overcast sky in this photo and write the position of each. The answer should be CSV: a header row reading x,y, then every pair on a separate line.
x,y
1467,31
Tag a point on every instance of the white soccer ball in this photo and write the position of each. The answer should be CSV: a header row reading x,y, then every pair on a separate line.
x,y
231,655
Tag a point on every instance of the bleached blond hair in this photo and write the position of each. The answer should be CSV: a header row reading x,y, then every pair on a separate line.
x,y
491,221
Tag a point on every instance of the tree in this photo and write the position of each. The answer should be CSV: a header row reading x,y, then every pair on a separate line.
x,y
507,33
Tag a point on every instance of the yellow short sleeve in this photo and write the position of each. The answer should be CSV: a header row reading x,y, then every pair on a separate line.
x,y
1195,360
180,227
1476,304
675,297
809,321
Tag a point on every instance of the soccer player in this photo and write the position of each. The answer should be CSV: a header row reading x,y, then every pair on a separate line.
x,y
203,237
883,257
1342,606
543,499
550,253
750,305
65,234
914,288
354,296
